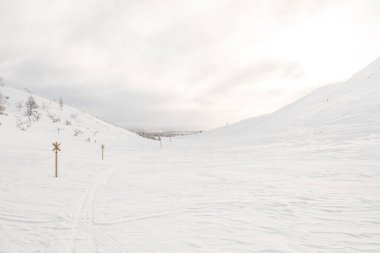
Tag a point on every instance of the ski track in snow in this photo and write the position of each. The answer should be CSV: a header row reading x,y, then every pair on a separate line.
x,y
84,220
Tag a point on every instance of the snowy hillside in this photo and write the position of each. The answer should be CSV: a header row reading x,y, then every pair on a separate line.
x,y
52,121
355,103
303,179
33,204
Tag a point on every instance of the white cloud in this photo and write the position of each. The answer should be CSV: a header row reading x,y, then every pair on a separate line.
x,y
172,64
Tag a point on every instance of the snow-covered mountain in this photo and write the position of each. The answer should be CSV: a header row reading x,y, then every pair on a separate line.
x,y
353,105
303,179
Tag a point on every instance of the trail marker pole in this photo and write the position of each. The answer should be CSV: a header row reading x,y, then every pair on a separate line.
x,y
103,147
56,149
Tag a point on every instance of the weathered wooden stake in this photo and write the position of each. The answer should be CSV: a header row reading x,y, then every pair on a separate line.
x,y
103,147
56,149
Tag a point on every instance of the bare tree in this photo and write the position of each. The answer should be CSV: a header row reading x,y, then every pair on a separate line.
x,y
54,118
19,106
2,104
36,116
30,106
77,132
22,124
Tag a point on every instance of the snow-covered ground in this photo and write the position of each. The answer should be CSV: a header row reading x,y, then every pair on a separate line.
x,y
303,179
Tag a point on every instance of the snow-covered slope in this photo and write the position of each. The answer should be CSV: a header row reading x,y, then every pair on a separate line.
x,y
34,205
56,123
353,105
303,179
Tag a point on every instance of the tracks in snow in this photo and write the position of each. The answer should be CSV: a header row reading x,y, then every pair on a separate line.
x,y
83,219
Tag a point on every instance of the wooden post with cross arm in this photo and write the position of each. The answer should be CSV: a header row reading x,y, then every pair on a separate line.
x,y
103,147
56,149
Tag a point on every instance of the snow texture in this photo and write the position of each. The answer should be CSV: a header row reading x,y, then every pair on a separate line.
x,y
303,179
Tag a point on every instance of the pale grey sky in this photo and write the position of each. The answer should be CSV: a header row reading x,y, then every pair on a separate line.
x,y
180,64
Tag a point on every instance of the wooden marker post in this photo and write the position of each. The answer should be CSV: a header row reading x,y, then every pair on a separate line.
x,y
103,147
56,149
159,138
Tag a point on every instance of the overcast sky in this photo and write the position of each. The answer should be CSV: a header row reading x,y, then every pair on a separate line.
x,y
181,64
